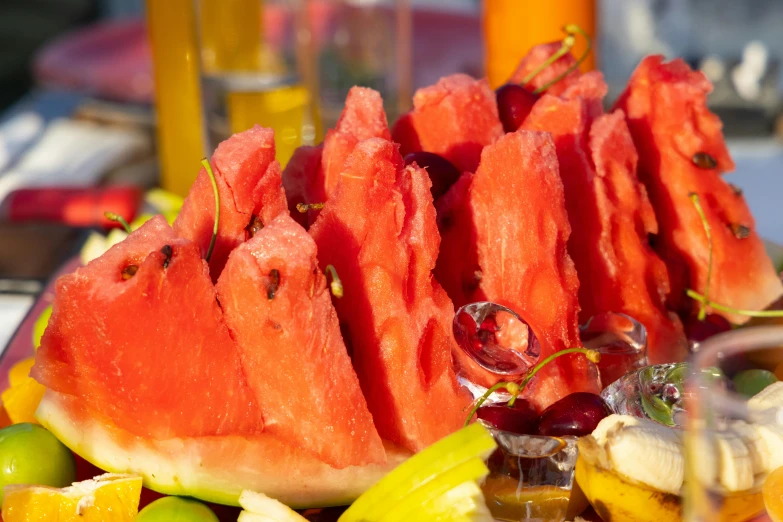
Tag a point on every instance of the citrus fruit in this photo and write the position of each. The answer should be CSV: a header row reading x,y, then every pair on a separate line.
x,y
773,495
107,498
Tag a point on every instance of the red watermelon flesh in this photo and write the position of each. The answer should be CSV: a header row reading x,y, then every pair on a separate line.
x,y
250,190
515,231
591,89
666,108
538,55
301,181
150,353
454,118
378,230
279,311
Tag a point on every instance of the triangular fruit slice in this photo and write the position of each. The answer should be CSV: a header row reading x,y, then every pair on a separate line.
x,y
454,118
682,151
379,231
537,56
250,190
277,306
610,217
138,337
508,232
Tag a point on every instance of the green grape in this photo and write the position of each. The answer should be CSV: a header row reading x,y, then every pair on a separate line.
x,y
30,454
176,509
750,382
40,326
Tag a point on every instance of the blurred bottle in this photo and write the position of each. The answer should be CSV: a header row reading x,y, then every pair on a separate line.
x,y
512,27
181,144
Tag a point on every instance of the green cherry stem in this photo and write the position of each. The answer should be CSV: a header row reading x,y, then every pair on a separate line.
x,y
515,389
212,180
111,216
571,29
336,286
728,309
707,231
565,48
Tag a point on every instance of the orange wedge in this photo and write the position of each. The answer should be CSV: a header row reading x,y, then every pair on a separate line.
x,y
107,498
773,495
21,399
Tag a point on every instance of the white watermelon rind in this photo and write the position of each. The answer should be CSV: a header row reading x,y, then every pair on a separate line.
x,y
202,467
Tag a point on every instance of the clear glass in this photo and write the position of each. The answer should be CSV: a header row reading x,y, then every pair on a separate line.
x,y
733,441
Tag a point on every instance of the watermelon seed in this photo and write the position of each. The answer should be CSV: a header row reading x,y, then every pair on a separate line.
x,y
305,207
336,286
652,240
111,216
704,161
737,191
254,226
739,231
167,252
273,284
129,271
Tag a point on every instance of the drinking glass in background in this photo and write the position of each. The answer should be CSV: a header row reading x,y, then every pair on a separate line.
x,y
512,27
734,438
249,72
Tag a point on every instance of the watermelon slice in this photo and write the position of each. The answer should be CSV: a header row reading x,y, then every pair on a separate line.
x,y
378,229
300,180
250,190
280,314
666,107
454,118
507,229
537,56
128,346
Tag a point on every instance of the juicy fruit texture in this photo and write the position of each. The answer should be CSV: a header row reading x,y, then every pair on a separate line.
x,y
611,219
214,469
168,509
577,414
537,56
378,230
454,118
23,394
433,472
29,454
773,497
250,191
665,104
259,507
504,233
169,308
107,498
279,311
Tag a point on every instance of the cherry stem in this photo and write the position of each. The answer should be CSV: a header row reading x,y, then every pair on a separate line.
x,y
565,48
212,180
516,388
336,286
723,308
697,203
571,29
304,207
111,216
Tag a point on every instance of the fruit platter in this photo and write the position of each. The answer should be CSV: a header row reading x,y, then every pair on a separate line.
x,y
485,310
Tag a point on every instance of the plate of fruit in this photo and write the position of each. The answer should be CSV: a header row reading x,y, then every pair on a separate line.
x,y
446,317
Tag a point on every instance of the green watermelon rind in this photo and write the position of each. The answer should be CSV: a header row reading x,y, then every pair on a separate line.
x,y
178,467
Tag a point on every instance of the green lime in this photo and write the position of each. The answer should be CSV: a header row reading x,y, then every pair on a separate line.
x,y
176,509
40,326
30,454
750,382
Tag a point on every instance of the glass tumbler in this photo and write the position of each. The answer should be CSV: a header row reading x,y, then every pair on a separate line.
x,y
734,436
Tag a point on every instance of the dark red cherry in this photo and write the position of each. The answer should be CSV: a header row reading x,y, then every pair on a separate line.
x,y
514,104
698,331
443,173
576,414
520,418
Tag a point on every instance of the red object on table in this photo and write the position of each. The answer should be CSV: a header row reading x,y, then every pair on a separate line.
x,y
77,207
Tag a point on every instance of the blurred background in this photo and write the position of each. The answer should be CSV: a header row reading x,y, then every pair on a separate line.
x,y
101,100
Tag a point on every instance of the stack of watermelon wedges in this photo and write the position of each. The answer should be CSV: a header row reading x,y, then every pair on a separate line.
x,y
305,354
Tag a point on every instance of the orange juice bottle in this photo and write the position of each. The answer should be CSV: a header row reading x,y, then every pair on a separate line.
x,y
181,141
512,27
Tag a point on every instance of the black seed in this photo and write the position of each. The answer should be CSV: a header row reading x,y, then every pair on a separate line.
x,y
704,161
254,226
166,251
129,271
739,231
273,284
736,189
652,240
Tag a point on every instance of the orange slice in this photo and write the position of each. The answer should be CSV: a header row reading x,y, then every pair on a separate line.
x,y
20,371
773,495
21,399
107,498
